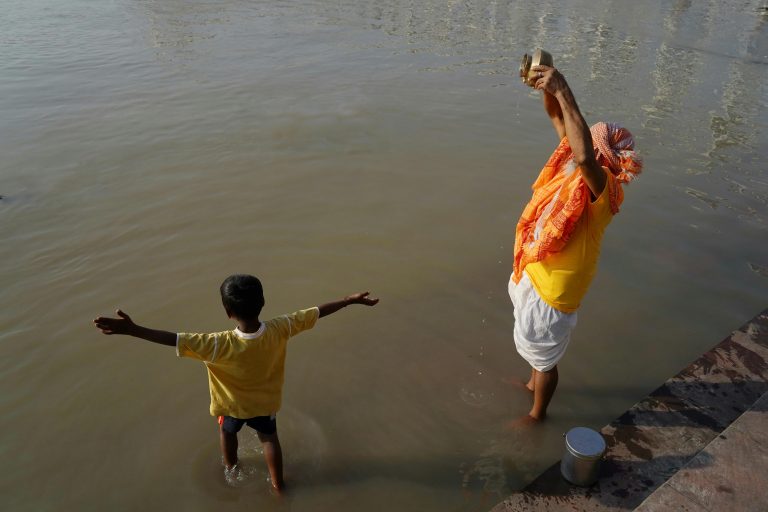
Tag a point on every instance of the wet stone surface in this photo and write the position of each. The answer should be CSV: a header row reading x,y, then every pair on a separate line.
x,y
691,437
729,474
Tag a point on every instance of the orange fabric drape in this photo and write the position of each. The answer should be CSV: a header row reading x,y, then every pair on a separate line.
x,y
560,194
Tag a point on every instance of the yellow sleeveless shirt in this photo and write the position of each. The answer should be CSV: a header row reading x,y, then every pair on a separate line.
x,y
562,278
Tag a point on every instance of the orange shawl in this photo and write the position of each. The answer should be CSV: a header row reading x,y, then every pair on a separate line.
x,y
560,195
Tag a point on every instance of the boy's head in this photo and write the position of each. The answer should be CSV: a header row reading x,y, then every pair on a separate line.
x,y
242,296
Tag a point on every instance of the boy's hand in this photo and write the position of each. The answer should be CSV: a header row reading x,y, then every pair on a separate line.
x,y
357,298
122,325
361,298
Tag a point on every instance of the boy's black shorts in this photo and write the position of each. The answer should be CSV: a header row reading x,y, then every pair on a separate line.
x,y
261,424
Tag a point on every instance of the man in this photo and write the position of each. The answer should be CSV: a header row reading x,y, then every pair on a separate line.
x,y
558,236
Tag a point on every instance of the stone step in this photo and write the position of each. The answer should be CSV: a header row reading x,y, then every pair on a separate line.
x,y
730,473
663,433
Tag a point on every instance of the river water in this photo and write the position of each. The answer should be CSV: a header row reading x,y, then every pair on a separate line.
x,y
152,147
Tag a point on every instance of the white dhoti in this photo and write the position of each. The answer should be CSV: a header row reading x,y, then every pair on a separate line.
x,y
541,332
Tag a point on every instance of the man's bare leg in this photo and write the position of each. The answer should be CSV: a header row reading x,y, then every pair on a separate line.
x,y
274,456
531,385
544,384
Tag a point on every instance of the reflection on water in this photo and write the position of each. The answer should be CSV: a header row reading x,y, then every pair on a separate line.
x,y
742,94
151,148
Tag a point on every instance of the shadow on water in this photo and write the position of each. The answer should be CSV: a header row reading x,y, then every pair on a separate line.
x,y
502,462
647,444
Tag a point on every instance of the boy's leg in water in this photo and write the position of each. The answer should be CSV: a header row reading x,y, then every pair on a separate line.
x,y
274,455
544,387
228,442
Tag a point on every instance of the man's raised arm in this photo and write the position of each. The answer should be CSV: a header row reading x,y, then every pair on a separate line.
x,y
551,81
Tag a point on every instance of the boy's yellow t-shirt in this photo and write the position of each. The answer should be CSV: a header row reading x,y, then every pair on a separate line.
x,y
562,278
246,370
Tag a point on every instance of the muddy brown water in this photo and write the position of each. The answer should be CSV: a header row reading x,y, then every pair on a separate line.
x,y
150,148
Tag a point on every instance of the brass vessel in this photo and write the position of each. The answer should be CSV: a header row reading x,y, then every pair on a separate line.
x,y
539,58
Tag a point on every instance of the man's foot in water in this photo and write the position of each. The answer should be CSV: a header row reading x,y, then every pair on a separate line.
x,y
524,422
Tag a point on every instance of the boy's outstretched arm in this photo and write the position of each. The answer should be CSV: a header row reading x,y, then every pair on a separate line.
x,y
124,325
357,298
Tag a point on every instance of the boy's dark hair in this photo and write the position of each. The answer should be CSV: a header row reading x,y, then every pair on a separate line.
x,y
242,296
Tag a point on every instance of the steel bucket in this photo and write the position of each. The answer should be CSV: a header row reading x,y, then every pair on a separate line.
x,y
584,450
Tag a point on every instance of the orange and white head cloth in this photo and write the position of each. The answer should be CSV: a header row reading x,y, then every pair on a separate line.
x,y
615,149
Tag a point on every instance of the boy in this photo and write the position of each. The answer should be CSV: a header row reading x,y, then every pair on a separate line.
x,y
245,365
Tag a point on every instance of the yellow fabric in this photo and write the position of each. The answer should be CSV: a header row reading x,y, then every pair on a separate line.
x,y
562,278
246,371
560,196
